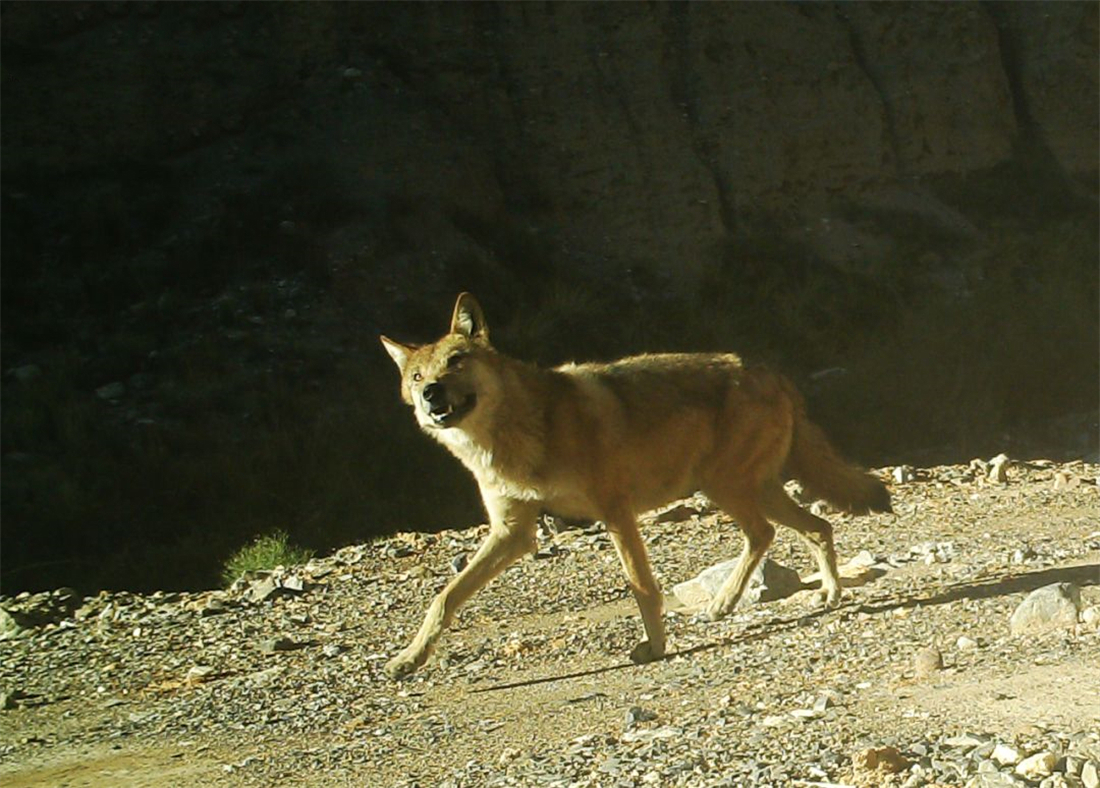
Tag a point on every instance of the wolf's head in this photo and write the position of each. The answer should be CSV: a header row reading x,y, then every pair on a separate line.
x,y
443,381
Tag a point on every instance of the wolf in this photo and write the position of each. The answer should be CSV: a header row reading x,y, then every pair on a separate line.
x,y
606,441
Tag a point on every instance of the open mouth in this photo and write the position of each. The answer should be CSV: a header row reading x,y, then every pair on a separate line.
x,y
449,414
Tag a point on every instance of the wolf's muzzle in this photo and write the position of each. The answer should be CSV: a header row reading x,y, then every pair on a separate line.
x,y
435,397
441,409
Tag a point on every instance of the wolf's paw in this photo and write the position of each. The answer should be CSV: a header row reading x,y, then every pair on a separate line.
x,y
404,664
829,599
646,652
717,610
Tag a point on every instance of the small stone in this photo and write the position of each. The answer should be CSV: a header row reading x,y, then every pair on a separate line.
x,y
198,674
927,661
979,467
9,627
664,732
1037,766
964,742
1050,607
1090,617
1065,481
1005,755
637,714
886,760
292,583
262,589
903,474
213,607
273,645
993,780
998,469
352,74
1090,774
331,649
1021,555
862,558
966,644
458,563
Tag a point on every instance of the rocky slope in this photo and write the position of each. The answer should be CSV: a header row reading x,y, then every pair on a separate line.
x,y
927,674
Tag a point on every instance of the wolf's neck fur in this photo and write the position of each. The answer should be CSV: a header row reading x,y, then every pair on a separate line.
x,y
503,441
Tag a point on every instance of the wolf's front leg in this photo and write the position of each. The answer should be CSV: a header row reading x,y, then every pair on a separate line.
x,y
511,535
647,593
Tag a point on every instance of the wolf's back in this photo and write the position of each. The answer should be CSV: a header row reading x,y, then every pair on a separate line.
x,y
825,474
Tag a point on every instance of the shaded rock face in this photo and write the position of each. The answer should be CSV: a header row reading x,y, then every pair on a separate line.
x,y
636,137
211,210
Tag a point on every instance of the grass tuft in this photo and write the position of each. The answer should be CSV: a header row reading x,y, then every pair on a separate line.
x,y
263,553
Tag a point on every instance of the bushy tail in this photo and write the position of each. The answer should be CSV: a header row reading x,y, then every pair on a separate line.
x,y
825,474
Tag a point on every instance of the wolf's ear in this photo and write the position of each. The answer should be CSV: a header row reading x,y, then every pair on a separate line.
x,y
468,319
398,352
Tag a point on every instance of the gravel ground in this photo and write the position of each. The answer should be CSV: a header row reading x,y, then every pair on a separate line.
x,y
916,679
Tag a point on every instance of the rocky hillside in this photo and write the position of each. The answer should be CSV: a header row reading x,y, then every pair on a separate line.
x,y
966,653
211,210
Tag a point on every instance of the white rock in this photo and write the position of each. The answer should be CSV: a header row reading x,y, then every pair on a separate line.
x,y
9,627
979,467
863,558
770,581
1090,775
1058,780
1064,481
966,644
664,732
1037,766
927,661
1090,617
903,474
1050,607
993,780
998,469
1005,755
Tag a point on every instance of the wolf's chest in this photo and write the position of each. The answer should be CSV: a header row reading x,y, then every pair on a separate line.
x,y
495,470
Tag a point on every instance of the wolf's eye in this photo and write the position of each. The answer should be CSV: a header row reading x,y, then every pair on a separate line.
x,y
417,377
455,360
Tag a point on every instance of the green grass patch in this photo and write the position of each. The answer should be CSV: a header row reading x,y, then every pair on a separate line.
x,y
264,553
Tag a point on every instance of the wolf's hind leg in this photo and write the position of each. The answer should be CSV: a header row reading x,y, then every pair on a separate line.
x,y
511,535
743,507
632,553
817,533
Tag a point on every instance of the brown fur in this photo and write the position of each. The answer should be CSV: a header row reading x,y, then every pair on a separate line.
x,y
607,441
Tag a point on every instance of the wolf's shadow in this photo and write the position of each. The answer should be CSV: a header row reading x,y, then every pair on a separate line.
x,y
1083,575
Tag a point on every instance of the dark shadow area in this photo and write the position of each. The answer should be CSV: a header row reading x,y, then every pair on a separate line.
x,y
1087,575
211,210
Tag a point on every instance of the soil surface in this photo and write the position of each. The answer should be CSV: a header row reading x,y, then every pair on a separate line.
x,y
915,679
